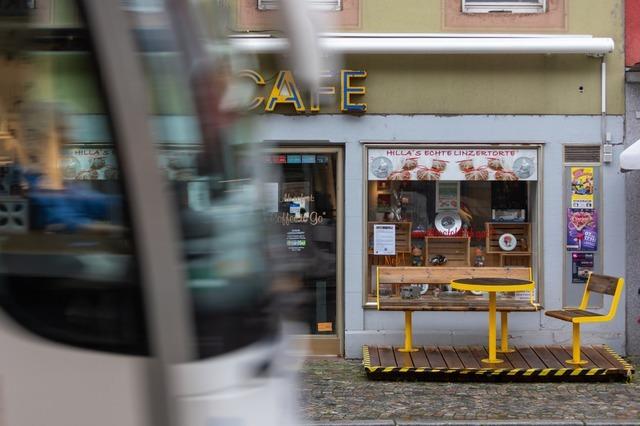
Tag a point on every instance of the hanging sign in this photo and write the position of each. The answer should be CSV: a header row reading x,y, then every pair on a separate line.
x,y
582,187
384,240
453,164
582,230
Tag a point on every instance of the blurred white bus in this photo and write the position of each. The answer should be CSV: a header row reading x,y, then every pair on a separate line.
x,y
136,282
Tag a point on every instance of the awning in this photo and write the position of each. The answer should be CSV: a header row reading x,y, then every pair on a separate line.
x,y
383,43
630,157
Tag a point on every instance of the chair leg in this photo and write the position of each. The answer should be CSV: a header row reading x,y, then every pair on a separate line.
x,y
576,346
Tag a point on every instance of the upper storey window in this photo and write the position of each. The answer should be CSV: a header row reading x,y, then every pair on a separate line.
x,y
504,6
328,5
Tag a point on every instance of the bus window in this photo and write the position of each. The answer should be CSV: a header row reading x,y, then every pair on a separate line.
x,y
211,163
67,266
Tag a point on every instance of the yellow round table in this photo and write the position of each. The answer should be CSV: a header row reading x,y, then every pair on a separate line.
x,y
492,286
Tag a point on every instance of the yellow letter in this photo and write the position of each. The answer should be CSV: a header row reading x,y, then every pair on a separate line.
x,y
347,90
285,91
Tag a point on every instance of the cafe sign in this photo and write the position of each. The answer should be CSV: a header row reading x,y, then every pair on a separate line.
x,y
453,164
285,92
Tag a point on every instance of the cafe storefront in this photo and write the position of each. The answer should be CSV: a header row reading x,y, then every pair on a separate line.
x,y
514,195
529,190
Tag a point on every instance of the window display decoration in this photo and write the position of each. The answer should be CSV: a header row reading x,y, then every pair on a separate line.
x,y
89,163
507,242
448,223
455,164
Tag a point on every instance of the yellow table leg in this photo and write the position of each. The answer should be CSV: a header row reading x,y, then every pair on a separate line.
x,y
492,330
408,334
504,331
576,346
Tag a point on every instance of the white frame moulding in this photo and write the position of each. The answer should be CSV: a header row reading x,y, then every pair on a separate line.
x,y
497,6
323,5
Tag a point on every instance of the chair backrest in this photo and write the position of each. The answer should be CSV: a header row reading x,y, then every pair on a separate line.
x,y
603,284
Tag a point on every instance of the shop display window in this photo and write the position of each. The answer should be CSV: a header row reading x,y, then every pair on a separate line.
x,y
453,206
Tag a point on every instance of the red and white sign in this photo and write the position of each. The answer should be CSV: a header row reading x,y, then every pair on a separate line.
x,y
453,164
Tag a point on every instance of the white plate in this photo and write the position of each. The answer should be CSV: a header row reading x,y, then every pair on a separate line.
x,y
507,242
448,223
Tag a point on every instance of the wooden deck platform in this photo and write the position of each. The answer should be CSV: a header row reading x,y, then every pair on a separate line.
x,y
527,363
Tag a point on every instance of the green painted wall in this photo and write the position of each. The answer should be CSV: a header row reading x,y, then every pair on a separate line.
x,y
429,84
481,84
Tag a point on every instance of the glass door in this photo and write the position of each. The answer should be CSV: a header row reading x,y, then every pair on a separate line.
x,y
305,201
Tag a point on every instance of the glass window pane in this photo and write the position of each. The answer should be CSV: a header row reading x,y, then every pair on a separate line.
x,y
303,203
484,218
213,170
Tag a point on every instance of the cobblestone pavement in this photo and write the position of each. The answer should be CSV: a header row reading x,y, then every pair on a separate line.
x,y
337,390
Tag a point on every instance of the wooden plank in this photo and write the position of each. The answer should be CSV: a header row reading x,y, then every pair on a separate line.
x,y
596,358
419,358
450,357
562,356
516,360
403,358
547,357
480,353
387,359
606,355
467,358
460,303
373,354
444,274
529,355
435,357
602,284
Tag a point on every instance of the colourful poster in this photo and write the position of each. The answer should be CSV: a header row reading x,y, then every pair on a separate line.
x,y
453,164
582,187
582,230
581,265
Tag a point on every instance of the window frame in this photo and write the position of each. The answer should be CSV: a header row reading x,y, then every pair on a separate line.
x,y
496,6
323,5
537,226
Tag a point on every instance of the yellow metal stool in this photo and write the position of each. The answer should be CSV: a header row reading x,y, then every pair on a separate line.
x,y
603,284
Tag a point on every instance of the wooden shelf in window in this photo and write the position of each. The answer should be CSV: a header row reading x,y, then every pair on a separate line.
x,y
521,231
515,259
455,249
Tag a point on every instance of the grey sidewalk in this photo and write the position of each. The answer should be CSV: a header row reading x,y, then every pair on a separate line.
x,y
337,392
